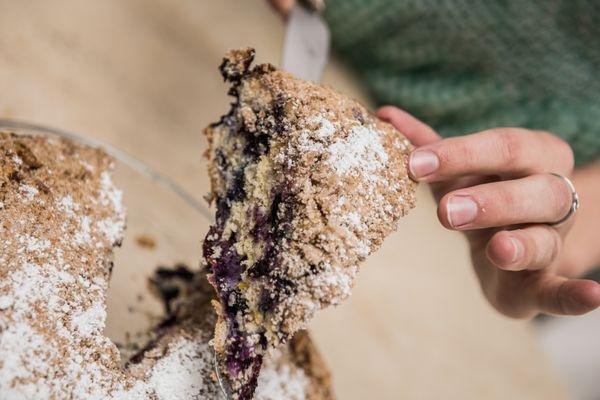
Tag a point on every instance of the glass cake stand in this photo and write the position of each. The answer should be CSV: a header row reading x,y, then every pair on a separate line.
x,y
165,225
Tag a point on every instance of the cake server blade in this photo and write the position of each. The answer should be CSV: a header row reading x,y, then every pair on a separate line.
x,y
306,44
222,381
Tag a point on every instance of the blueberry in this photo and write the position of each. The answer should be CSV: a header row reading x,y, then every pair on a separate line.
x,y
268,300
228,269
257,144
262,224
236,191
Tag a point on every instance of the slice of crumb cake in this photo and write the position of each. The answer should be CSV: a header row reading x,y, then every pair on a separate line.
x,y
306,183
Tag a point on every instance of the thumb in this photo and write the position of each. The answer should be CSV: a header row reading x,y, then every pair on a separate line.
x,y
417,132
568,296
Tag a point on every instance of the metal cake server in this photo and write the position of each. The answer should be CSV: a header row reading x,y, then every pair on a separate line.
x,y
306,43
223,382
305,54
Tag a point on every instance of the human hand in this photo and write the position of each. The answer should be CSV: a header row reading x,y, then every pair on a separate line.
x,y
496,187
283,7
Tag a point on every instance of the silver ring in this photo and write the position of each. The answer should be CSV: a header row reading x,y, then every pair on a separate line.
x,y
574,200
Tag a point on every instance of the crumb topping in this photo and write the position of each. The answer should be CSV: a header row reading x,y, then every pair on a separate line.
x,y
59,223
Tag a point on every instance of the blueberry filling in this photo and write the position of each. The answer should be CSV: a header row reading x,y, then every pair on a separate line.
x,y
221,159
260,219
228,272
267,301
226,268
257,144
247,392
279,113
236,190
223,212
267,263
241,357
267,225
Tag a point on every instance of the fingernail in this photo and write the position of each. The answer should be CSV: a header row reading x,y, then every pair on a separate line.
x,y
519,249
423,163
461,210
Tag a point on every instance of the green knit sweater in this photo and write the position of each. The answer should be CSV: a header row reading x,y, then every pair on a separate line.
x,y
463,66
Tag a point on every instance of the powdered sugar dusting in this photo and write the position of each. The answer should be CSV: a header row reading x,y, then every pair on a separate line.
x,y
28,191
17,160
110,230
277,382
83,234
325,128
5,302
89,321
109,194
177,376
54,277
68,206
360,152
32,244
357,155
338,280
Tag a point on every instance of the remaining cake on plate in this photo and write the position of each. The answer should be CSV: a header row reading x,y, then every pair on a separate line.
x,y
306,183
181,351
60,217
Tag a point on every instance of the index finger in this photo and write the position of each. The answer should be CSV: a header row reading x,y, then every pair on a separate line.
x,y
416,131
508,152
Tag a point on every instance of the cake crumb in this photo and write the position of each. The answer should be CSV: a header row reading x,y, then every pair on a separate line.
x,y
145,241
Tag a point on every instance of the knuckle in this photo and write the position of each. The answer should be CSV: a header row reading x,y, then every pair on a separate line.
x,y
569,158
559,195
555,245
545,246
557,299
531,249
565,156
509,146
454,154
506,199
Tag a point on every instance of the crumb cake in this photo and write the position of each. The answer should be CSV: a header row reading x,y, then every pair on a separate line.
x,y
306,184
61,216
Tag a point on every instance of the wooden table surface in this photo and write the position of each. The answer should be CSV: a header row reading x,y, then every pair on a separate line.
x,y
142,75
